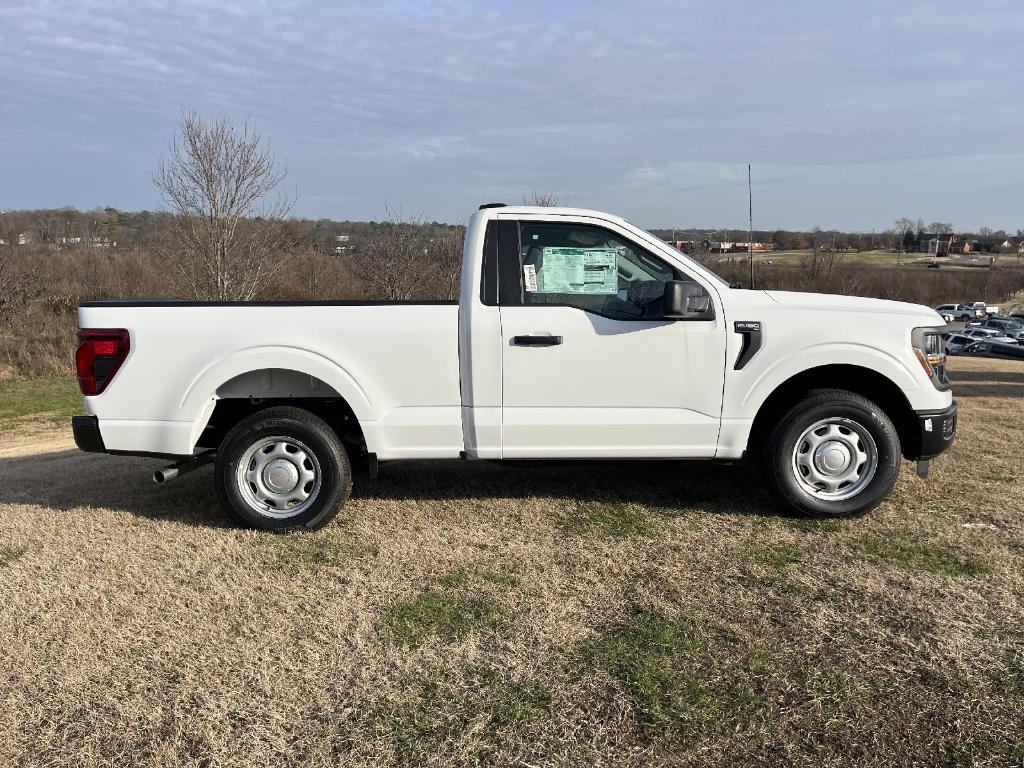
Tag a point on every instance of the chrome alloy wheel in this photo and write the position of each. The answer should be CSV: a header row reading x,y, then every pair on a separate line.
x,y
834,459
278,476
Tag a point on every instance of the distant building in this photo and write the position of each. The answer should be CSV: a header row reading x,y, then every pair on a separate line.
x,y
93,241
686,246
739,247
715,246
340,244
755,247
937,244
987,245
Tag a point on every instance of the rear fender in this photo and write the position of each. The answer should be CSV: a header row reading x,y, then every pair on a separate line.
x,y
199,399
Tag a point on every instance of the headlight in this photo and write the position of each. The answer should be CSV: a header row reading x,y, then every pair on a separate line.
x,y
929,348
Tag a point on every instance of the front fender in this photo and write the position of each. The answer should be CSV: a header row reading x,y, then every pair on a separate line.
x,y
779,370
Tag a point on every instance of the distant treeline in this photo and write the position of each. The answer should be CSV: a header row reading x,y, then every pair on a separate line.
x,y
109,227
61,228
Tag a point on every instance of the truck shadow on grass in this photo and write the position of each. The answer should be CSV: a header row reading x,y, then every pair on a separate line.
x,y
69,480
663,486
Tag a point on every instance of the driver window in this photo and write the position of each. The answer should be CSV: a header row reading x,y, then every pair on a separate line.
x,y
592,269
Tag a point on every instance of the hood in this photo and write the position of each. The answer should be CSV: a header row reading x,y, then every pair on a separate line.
x,y
836,303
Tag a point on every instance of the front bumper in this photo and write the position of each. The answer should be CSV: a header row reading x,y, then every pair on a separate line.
x,y
937,429
87,434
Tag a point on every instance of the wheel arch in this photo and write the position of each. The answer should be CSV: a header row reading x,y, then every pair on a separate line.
x,y
869,383
253,390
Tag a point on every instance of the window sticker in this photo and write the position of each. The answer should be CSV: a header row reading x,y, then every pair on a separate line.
x,y
530,277
578,270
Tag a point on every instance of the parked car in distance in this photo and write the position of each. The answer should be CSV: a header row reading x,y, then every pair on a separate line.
x,y
1006,326
980,308
994,349
956,342
935,265
988,334
951,312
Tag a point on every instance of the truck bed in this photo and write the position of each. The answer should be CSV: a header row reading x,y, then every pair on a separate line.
x,y
395,363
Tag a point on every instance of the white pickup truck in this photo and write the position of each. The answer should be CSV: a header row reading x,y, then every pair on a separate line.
x,y
577,336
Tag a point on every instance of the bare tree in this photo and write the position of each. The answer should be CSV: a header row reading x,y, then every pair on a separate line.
x,y
541,199
447,251
19,286
226,240
406,258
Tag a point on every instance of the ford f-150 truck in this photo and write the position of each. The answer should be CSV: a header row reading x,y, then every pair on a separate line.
x,y
576,336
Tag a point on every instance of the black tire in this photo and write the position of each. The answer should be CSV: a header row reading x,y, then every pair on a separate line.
x,y
320,451
866,427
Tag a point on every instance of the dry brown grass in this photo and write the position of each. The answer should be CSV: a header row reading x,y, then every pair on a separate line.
x,y
455,615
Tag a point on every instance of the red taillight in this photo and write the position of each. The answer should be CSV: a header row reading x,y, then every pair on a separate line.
x,y
100,353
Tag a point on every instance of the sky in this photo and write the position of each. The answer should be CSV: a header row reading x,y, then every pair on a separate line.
x,y
851,113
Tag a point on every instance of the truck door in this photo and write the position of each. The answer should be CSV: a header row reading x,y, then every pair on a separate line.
x,y
590,368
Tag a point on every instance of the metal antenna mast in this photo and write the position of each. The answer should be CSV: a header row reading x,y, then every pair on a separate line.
x,y
750,231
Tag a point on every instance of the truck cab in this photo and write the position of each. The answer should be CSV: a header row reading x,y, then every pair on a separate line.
x,y
577,335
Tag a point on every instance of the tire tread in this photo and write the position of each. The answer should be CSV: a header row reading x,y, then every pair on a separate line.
x,y
234,444
776,472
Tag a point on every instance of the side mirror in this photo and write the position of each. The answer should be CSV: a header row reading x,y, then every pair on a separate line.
x,y
686,300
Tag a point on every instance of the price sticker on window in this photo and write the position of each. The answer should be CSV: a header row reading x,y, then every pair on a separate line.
x,y
579,270
530,277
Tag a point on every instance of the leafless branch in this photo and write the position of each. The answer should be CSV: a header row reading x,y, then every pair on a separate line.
x,y
541,199
225,241
406,259
19,286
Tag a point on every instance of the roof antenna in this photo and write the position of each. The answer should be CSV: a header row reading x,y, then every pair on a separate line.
x,y
750,222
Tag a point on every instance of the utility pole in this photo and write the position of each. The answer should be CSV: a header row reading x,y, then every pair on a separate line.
x,y
750,227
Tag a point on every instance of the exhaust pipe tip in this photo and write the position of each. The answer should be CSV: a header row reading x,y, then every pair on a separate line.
x,y
172,471
164,475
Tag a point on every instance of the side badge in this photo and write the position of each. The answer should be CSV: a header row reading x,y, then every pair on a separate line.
x,y
751,331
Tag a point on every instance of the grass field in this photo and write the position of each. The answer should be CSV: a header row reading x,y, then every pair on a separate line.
x,y
35,402
460,614
887,259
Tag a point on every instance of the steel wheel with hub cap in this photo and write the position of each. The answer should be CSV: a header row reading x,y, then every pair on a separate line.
x,y
283,468
834,459
834,454
279,476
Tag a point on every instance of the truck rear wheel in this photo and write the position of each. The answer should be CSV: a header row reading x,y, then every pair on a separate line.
x,y
833,454
283,469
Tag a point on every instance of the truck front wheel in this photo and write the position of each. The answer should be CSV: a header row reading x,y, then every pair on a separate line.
x,y
283,469
833,454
